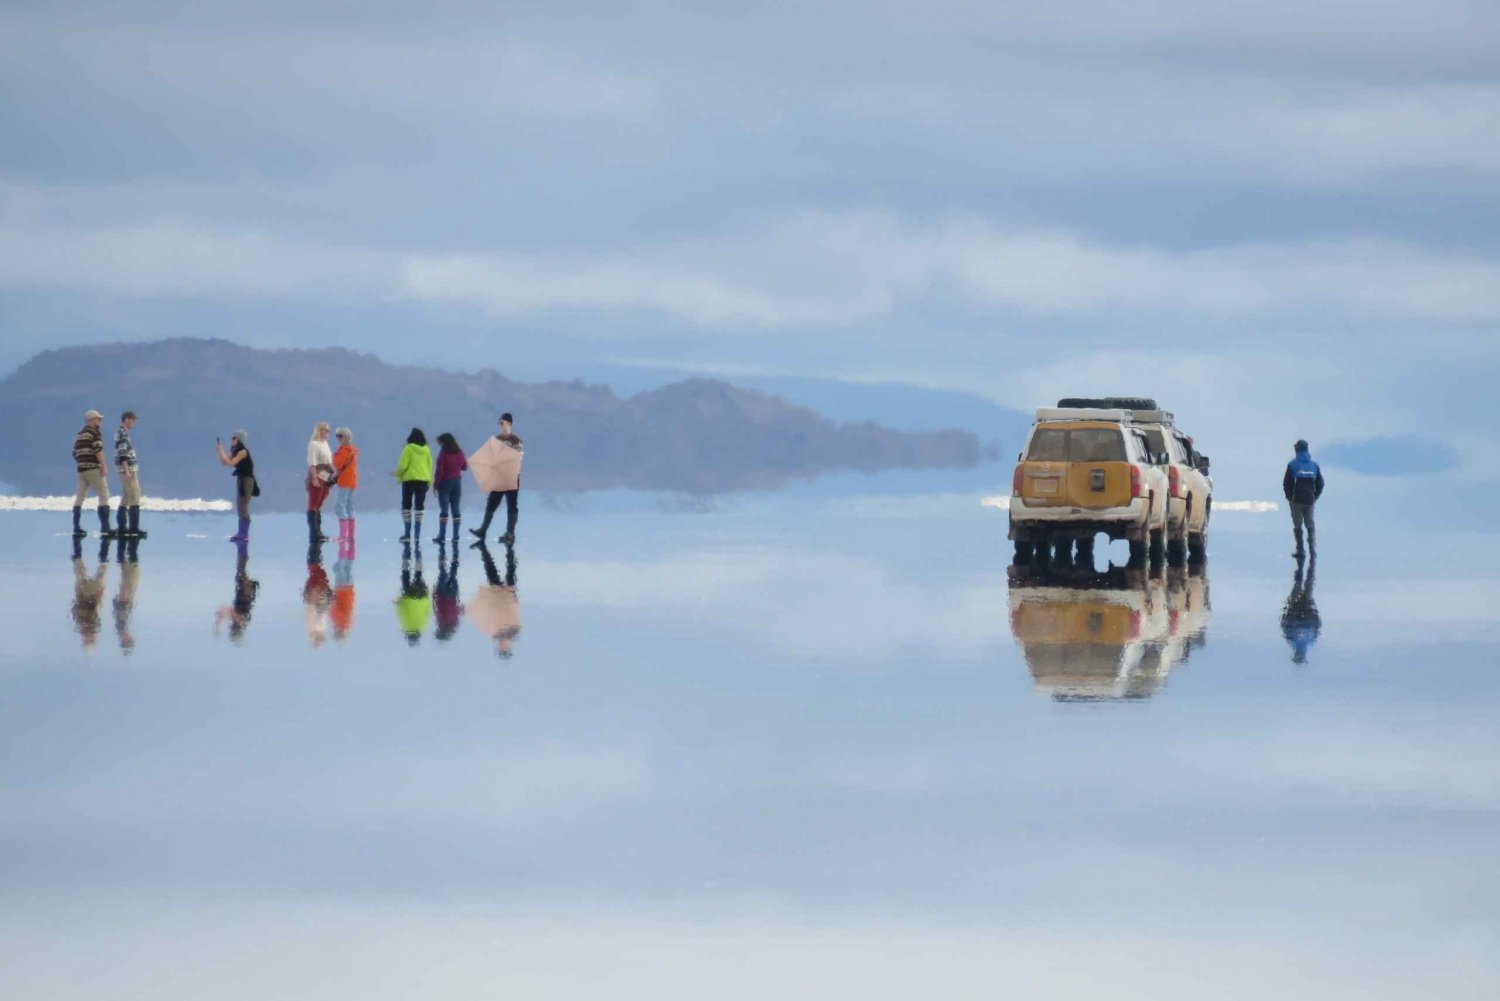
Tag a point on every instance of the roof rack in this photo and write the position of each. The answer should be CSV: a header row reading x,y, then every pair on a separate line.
x,y
1114,415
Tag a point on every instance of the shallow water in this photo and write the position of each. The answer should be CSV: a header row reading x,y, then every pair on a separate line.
x,y
797,744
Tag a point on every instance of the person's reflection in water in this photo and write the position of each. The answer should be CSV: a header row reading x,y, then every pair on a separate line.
x,y
446,604
496,605
414,607
236,615
127,556
1300,621
341,612
317,597
88,593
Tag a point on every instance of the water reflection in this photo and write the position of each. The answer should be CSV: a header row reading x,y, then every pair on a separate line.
x,y
236,615
1300,621
1090,636
496,606
317,597
88,593
445,601
341,609
414,605
127,556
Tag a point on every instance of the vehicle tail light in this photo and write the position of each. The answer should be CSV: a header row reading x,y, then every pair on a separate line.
x,y
1015,481
1135,481
1135,625
1174,483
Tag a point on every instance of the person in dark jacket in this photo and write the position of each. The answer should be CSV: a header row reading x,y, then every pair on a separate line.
x,y
510,497
1303,485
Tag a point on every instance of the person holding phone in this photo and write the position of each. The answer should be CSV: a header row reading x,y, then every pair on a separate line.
x,y
242,466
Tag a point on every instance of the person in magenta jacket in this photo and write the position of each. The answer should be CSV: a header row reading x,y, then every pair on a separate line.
x,y
448,481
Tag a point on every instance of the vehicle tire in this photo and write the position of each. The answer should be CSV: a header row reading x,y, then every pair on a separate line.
x,y
1137,552
1177,546
1197,547
1108,403
1158,544
1063,550
1023,551
1085,555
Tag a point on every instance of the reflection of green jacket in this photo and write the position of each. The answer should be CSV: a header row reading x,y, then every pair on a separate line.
x,y
414,613
415,464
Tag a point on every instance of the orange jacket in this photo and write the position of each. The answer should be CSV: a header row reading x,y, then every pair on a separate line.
x,y
347,459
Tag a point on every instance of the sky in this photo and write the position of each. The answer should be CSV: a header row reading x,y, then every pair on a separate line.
x,y
1278,219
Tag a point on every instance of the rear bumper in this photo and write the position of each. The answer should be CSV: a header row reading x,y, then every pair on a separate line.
x,y
1061,521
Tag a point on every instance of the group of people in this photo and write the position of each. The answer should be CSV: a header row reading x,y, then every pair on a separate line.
x,y
93,477
417,472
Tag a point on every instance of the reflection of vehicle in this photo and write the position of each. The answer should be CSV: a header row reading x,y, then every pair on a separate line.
x,y
1116,635
1083,472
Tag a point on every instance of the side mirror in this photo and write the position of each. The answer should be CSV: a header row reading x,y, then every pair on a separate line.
x,y
1018,456
1163,459
1202,464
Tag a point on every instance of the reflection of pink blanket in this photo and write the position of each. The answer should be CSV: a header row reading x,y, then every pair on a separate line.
x,y
496,466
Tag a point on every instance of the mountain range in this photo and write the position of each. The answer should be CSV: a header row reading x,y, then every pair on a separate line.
x,y
696,436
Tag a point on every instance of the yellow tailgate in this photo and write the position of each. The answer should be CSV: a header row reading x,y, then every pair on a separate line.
x,y
1073,622
1049,479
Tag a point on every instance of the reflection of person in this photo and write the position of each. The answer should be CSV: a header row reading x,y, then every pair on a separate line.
x,y
320,477
346,463
237,614
88,593
341,612
88,456
448,482
1303,485
1300,621
445,602
510,497
496,607
242,465
317,597
414,471
130,577
130,479
414,606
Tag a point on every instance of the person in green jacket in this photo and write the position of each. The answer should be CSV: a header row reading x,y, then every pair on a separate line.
x,y
414,607
414,470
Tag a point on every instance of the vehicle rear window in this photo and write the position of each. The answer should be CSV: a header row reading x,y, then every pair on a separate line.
x,y
1096,445
1049,445
1080,445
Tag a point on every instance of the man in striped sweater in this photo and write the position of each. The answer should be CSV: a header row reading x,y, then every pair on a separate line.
x,y
88,456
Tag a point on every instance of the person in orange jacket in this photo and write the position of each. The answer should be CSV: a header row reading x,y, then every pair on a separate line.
x,y
346,463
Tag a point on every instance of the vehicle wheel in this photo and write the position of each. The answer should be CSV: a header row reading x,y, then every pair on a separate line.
x,y
1085,557
1137,552
1158,544
1023,551
1107,403
1063,549
1197,547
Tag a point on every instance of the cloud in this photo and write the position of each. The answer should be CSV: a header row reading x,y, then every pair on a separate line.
x,y
1392,455
830,270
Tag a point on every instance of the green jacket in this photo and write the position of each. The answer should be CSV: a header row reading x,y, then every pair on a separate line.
x,y
414,613
415,464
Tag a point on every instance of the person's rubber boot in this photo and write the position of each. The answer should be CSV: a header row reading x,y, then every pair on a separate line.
x,y
405,527
456,521
442,530
105,532
78,530
135,522
243,535
416,532
318,524
122,525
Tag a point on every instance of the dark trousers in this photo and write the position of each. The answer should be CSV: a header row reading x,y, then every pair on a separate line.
x,y
492,503
1303,514
413,495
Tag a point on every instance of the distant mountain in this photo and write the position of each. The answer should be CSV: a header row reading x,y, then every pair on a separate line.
x,y
698,436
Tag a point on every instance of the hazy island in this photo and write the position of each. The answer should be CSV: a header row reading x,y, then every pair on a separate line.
x,y
698,436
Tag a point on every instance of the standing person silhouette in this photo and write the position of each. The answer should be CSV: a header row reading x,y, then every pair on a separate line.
x,y
128,517
346,464
1303,485
88,456
510,497
320,479
242,465
414,471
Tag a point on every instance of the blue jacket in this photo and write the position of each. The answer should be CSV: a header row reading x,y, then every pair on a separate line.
x,y
1303,482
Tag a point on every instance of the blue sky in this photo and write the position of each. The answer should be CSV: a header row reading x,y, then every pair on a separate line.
x,y
1279,220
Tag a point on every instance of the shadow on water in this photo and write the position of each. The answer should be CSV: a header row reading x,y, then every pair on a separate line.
x,y
1090,635
1300,621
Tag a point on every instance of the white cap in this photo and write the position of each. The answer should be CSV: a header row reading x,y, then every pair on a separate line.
x,y
93,415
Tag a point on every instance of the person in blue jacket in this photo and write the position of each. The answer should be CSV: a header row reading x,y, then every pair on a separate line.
x,y
1303,485
1300,621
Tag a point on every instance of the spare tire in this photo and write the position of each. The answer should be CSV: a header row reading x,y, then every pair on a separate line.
x,y
1108,403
